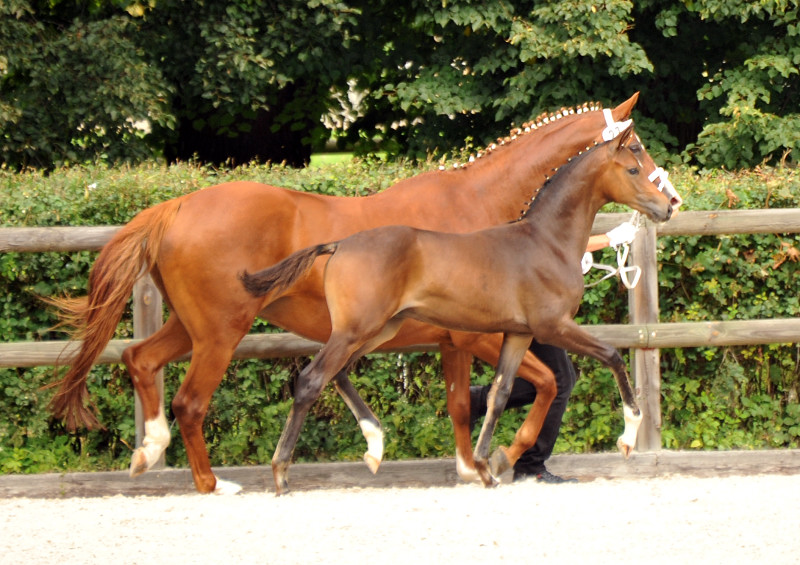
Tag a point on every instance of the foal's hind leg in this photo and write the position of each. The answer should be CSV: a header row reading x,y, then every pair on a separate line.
x,y
338,353
309,384
143,361
367,420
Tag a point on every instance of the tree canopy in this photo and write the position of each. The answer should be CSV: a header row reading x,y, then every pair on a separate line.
x,y
234,81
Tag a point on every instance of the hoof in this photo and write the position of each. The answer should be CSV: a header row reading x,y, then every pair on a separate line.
x,y
280,474
138,463
226,488
466,473
372,462
498,462
624,448
486,476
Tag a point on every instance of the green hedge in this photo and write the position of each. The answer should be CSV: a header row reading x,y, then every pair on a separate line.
x,y
742,397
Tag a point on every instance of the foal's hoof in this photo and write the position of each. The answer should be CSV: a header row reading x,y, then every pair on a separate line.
x,y
498,462
138,463
372,462
485,474
624,448
280,474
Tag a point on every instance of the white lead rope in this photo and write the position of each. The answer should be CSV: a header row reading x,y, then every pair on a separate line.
x,y
628,275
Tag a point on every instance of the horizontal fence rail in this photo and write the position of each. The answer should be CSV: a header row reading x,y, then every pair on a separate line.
x,y
645,335
716,222
271,346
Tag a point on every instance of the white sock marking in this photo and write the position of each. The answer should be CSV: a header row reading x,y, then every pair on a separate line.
x,y
156,438
632,423
374,436
226,488
465,473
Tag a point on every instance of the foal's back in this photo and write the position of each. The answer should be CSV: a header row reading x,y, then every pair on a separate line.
x,y
468,282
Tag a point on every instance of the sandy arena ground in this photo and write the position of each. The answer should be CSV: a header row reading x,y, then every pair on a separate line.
x,y
674,519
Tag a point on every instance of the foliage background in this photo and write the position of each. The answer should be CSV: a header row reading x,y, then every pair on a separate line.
x,y
712,398
119,80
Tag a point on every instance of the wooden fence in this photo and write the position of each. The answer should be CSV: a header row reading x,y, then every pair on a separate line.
x,y
644,335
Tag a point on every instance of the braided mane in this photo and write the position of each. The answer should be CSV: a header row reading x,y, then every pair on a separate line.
x,y
549,180
542,120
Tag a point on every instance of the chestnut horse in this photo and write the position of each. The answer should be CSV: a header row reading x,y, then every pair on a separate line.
x,y
194,245
523,279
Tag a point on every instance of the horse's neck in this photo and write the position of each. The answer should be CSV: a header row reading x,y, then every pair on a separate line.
x,y
498,186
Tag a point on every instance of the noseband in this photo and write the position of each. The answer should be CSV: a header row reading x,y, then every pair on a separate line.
x,y
628,275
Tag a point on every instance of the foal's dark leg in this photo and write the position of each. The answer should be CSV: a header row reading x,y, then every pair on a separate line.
x,y
367,420
511,354
308,387
340,351
568,335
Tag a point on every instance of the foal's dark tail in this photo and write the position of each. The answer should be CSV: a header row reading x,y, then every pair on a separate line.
x,y
281,276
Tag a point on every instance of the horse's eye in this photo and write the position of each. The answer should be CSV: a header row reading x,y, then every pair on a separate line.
x,y
633,171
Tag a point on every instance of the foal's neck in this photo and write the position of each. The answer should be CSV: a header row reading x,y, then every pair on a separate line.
x,y
567,206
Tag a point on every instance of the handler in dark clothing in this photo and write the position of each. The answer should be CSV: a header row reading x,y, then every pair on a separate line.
x,y
531,463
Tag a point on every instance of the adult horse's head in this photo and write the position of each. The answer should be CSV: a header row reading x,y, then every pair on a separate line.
x,y
637,181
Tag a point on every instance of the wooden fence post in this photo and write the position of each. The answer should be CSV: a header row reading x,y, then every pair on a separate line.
x,y
148,318
643,307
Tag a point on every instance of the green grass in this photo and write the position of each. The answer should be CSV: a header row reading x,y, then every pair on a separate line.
x,y
322,159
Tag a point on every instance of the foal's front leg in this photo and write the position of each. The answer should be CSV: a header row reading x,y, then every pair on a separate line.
x,y
511,354
568,335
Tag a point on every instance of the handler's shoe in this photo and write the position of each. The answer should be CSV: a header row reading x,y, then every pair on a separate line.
x,y
544,476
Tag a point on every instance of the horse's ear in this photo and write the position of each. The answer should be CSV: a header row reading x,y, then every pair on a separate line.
x,y
623,111
624,137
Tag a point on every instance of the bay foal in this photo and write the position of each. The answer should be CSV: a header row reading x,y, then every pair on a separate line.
x,y
522,279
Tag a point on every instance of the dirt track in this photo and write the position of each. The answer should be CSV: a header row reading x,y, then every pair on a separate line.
x,y
672,519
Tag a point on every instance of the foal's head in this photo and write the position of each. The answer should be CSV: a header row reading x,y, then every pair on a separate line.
x,y
632,180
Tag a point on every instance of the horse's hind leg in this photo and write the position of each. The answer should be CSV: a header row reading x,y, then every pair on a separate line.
x,y
511,354
210,359
143,361
367,420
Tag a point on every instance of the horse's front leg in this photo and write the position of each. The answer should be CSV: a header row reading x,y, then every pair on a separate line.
x,y
487,348
568,335
456,365
366,418
543,378
511,354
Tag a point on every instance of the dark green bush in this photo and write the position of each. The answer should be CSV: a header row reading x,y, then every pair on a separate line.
x,y
728,397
